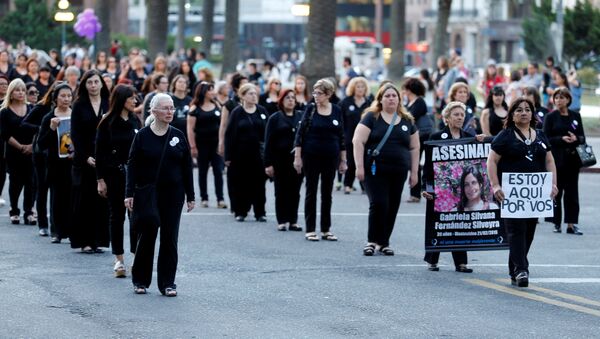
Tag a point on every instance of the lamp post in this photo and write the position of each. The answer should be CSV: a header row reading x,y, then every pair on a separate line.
x,y
63,16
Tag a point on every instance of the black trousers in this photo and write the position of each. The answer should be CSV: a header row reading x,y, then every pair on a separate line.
x,y
287,184
41,185
247,178
59,180
416,190
115,185
384,191
20,169
325,168
141,273
90,210
207,156
520,234
568,188
459,257
351,172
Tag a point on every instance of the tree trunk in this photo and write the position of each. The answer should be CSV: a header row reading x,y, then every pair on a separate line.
x,y
156,12
230,44
440,41
397,40
103,10
319,62
208,13
180,40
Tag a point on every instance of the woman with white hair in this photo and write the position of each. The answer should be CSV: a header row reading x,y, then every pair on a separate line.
x,y
159,155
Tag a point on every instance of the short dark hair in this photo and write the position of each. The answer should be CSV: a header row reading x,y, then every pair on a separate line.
x,y
236,80
202,54
415,86
348,60
564,91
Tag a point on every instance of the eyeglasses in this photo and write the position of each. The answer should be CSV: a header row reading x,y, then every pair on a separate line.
x,y
33,93
290,98
170,109
317,93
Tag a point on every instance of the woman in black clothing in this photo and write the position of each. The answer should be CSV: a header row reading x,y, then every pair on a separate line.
x,y
520,148
279,141
174,184
34,120
414,90
90,211
237,81
385,173
182,101
33,68
533,95
20,68
19,148
32,93
268,100
113,141
454,118
494,113
244,141
301,91
320,151
564,129
3,88
58,168
203,135
353,105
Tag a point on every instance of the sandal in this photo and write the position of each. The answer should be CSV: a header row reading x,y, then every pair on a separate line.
x,y
281,227
204,203
87,250
170,292
31,220
120,271
328,236
15,219
312,236
413,199
295,227
221,204
369,250
139,289
386,251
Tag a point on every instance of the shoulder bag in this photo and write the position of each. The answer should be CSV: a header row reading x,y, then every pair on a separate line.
x,y
145,198
372,154
586,155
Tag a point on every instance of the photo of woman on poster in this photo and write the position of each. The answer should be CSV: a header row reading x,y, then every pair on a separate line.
x,y
472,196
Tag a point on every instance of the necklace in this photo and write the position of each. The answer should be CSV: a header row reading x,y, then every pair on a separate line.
x,y
527,140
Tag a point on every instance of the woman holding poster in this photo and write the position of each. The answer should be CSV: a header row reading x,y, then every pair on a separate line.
x,y
388,134
519,148
454,118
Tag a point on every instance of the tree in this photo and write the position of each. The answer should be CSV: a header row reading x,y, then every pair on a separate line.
x,y
230,44
536,32
320,62
156,12
208,13
103,11
581,32
31,22
180,38
397,40
440,40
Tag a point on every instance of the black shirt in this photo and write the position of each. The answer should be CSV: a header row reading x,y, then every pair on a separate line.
x,y
84,121
232,103
394,156
279,136
418,109
557,126
10,126
265,101
175,179
516,155
352,113
113,142
323,135
48,139
245,134
496,123
207,125
182,107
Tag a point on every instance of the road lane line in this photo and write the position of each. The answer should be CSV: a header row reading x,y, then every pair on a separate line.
x,y
340,214
562,295
534,297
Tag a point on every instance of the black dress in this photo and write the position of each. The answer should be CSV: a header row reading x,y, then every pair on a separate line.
x,y
352,113
424,124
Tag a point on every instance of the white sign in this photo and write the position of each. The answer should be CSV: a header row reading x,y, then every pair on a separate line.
x,y
527,195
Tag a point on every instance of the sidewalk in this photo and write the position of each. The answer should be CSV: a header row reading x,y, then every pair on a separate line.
x,y
595,143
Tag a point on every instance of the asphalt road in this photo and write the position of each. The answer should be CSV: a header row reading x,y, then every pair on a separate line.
x,y
247,280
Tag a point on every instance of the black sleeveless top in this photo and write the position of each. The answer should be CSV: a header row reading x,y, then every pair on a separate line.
x,y
496,123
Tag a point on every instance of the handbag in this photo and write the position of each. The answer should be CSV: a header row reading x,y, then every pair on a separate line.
x,y
586,155
373,154
145,197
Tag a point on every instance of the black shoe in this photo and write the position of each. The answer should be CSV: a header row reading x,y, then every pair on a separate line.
x,y
433,267
55,240
557,229
513,281
240,218
522,279
574,230
43,232
464,269
261,219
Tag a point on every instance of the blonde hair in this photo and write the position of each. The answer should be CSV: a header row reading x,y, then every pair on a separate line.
x,y
376,106
455,87
245,88
270,82
325,85
449,107
12,86
352,86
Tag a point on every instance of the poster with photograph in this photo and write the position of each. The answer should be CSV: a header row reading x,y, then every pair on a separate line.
x,y
463,214
63,131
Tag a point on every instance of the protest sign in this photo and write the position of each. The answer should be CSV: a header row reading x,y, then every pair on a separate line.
x,y
63,131
527,195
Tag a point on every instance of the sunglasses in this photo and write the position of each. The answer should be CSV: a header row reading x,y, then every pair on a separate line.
x,y
33,93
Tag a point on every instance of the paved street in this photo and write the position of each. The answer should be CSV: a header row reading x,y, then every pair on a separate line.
x,y
248,280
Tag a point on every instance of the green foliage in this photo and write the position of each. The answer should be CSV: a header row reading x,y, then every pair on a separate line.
x,y
31,23
536,31
581,31
588,76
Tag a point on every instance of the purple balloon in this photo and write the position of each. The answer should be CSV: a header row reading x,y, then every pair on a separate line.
x,y
87,24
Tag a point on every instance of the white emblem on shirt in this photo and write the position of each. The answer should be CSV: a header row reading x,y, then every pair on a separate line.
x,y
136,130
444,135
543,145
262,116
174,141
575,122
351,107
404,128
217,113
335,122
541,114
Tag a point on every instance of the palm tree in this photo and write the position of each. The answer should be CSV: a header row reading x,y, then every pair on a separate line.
x,y
208,12
440,40
319,62
397,40
103,10
180,40
230,44
156,12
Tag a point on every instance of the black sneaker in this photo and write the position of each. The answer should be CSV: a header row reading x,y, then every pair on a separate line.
x,y
261,219
574,230
557,229
522,279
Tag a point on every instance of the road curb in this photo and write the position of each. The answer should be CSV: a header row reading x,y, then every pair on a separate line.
x,y
593,169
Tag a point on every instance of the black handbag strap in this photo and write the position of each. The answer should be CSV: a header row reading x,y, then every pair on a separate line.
x,y
386,136
162,155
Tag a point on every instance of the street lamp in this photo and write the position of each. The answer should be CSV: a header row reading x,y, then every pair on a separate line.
x,y
63,16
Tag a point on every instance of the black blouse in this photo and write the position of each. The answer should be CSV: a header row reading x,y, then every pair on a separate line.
x,y
352,113
10,126
113,142
279,136
245,134
557,126
207,125
84,121
321,135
